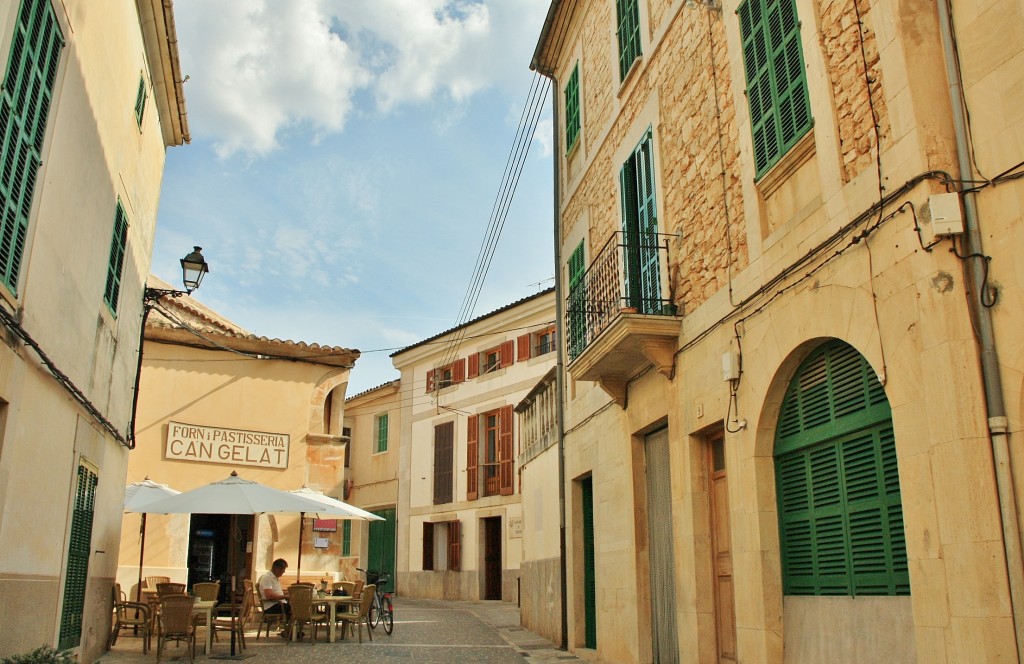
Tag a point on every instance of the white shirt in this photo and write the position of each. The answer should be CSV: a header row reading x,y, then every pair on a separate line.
x,y
269,581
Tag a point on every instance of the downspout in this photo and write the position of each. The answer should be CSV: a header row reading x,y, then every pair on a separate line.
x,y
992,382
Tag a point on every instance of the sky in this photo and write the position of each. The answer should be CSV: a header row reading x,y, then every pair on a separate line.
x,y
345,159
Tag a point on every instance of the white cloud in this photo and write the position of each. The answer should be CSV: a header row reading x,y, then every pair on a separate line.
x,y
260,69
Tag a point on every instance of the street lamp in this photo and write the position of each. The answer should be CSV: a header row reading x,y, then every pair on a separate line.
x,y
193,269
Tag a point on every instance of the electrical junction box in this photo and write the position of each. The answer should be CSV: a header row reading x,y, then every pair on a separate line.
x,y
730,365
947,214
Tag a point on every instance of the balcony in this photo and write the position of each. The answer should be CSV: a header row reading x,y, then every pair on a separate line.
x,y
616,320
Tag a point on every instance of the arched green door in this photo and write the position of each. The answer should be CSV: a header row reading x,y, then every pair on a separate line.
x,y
836,476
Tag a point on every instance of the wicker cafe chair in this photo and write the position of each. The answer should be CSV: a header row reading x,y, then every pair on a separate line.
x,y
152,581
265,618
130,614
300,596
363,615
176,623
165,589
207,591
224,623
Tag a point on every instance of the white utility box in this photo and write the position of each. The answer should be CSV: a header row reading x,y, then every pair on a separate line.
x,y
947,214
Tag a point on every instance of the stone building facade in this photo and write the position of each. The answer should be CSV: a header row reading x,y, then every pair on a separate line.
x,y
460,519
216,399
787,232
90,101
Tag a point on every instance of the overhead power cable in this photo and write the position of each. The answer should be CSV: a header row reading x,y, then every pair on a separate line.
x,y
518,153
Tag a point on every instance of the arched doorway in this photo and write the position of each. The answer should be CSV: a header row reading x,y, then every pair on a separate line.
x,y
840,511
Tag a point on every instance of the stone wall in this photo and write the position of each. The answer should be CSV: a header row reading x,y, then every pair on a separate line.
x,y
541,604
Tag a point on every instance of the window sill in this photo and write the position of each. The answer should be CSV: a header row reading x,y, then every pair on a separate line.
x,y
790,162
493,373
574,148
630,75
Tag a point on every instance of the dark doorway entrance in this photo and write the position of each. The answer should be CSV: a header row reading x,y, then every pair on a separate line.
x,y
492,557
210,539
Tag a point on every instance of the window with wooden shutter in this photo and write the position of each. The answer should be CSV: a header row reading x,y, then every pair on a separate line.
x,y
506,463
837,481
430,380
780,111
459,371
382,433
472,458
79,548
508,353
641,267
576,309
428,547
25,98
444,449
473,362
628,15
454,546
523,347
346,538
140,101
572,109
115,263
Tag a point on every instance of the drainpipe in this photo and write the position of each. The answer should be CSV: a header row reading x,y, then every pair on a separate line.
x,y
995,405
559,370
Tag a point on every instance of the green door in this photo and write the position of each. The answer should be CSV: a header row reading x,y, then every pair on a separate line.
x,y
381,554
589,575
79,549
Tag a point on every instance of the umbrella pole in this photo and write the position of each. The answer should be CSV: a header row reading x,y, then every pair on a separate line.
x,y
298,566
232,545
142,553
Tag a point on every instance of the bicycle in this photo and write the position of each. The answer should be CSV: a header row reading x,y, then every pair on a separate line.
x,y
381,610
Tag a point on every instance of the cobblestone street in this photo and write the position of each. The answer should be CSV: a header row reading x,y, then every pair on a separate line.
x,y
425,631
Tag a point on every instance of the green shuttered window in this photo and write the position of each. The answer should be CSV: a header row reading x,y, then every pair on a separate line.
x,y
380,555
642,278
628,14
837,481
140,101
572,109
382,433
78,559
24,106
115,264
780,111
346,538
577,310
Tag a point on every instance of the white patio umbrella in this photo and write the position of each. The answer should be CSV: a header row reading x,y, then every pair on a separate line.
x,y
137,496
235,495
331,507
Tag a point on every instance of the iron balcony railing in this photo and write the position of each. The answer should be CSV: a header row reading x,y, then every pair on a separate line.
x,y
624,277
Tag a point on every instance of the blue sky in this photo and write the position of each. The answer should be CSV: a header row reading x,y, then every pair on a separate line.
x,y
345,159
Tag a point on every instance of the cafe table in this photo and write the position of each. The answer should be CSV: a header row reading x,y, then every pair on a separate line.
x,y
206,609
332,602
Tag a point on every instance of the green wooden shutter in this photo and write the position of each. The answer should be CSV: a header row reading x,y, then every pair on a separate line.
x,y
641,271
382,433
140,101
628,14
346,538
572,108
589,566
780,112
115,264
577,309
25,98
840,510
381,550
79,548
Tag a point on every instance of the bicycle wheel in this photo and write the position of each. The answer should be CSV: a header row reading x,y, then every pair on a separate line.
x,y
388,615
374,616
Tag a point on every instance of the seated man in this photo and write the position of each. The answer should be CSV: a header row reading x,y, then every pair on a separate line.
x,y
273,597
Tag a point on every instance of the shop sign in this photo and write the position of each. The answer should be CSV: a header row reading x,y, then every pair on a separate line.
x,y
192,442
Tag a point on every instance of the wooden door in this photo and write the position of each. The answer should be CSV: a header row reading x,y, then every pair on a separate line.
x,y
721,542
492,558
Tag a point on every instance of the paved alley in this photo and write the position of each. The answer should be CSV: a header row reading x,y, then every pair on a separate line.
x,y
425,631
